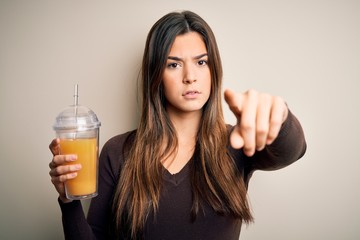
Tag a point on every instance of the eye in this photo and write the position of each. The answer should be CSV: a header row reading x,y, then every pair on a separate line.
x,y
202,62
173,65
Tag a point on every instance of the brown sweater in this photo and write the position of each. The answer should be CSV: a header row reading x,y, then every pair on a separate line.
x,y
173,217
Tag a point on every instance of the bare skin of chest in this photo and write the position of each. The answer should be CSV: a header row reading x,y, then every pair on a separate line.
x,y
176,161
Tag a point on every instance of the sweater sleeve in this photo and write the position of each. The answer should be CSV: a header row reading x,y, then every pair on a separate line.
x,y
289,146
97,223
74,222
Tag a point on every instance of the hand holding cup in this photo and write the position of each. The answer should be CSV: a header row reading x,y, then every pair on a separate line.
x,y
61,169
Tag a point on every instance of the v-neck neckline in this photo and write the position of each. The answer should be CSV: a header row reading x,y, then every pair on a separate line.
x,y
178,177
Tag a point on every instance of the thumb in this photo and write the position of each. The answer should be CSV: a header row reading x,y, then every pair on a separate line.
x,y
236,140
54,146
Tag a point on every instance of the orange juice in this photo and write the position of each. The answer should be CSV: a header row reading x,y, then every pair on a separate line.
x,y
85,183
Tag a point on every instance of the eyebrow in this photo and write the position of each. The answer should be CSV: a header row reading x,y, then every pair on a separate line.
x,y
180,59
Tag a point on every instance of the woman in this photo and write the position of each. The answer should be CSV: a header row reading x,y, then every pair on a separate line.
x,y
183,173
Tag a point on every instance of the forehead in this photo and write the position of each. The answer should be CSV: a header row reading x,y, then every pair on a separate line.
x,y
190,43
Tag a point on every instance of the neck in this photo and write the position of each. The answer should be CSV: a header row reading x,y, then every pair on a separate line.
x,y
186,125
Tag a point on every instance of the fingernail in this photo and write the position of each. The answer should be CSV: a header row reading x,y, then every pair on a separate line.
x,y
77,166
72,157
249,152
72,175
260,148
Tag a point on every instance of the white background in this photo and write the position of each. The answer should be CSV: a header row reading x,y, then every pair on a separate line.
x,y
305,51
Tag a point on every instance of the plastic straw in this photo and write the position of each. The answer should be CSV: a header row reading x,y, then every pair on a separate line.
x,y
76,95
76,101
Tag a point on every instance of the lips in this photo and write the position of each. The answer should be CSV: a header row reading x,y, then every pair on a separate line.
x,y
191,93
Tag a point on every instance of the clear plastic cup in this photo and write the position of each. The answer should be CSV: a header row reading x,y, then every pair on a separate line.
x,y
78,127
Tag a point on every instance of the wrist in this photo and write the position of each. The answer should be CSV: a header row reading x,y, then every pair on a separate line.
x,y
64,200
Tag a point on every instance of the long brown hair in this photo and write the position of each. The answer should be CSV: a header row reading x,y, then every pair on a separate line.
x,y
215,178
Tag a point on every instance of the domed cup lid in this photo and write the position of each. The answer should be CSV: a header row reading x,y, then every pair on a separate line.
x,y
77,118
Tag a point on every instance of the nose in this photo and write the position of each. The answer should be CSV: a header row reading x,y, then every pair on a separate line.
x,y
189,75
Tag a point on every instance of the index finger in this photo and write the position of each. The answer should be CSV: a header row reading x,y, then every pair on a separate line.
x,y
55,146
234,101
61,160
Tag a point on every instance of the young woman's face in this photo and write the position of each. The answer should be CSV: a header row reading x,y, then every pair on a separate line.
x,y
187,78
